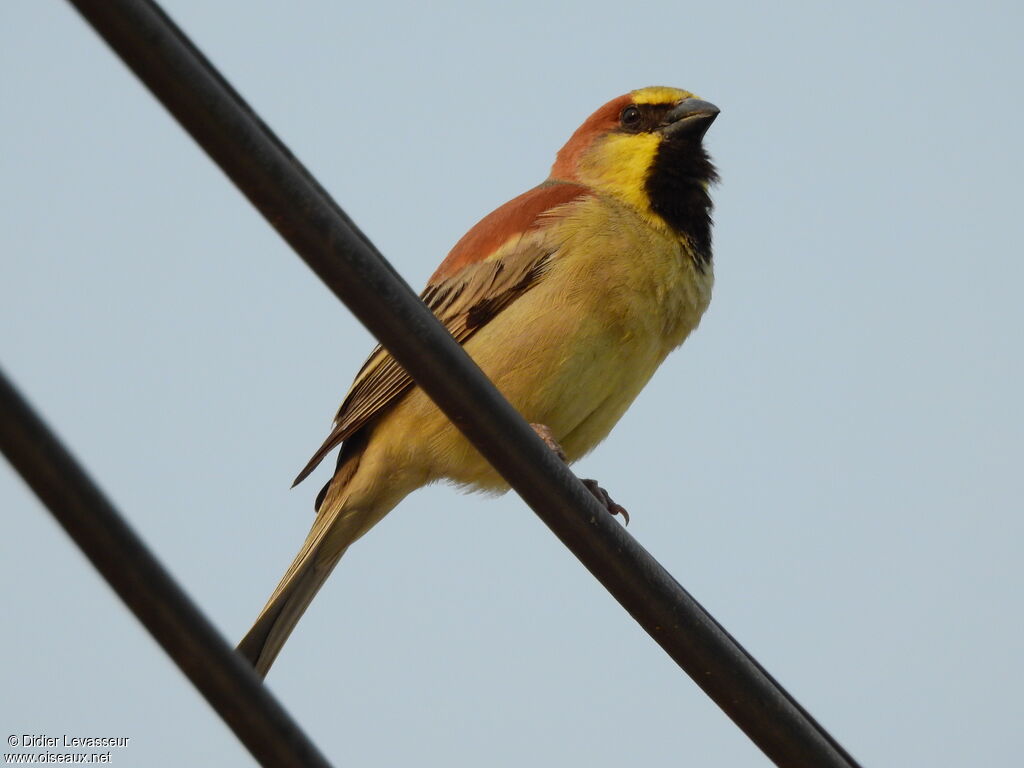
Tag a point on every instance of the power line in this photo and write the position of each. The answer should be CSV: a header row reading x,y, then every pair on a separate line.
x,y
227,682
320,232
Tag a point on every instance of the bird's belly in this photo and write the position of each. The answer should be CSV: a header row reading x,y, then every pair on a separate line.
x,y
573,363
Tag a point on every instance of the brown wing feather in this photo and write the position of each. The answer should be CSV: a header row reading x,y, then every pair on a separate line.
x,y
518,216
463,303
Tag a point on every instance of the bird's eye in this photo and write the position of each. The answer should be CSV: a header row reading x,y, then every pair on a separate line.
x,y
630,118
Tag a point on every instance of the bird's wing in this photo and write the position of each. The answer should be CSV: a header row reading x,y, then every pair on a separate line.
x,y
495,263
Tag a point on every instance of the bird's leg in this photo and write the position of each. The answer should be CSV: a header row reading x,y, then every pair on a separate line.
x,y
544,433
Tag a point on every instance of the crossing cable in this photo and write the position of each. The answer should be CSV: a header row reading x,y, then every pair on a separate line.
x,y
318,230
193,643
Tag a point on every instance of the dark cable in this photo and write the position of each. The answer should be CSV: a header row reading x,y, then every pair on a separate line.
x,y
227,682
322,235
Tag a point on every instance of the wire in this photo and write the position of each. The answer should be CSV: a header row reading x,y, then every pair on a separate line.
x,y
323,236
227,682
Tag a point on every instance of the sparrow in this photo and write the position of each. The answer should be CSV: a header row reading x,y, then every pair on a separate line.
x,y
568,297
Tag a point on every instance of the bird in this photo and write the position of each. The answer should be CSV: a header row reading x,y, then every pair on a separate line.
x,y
568,297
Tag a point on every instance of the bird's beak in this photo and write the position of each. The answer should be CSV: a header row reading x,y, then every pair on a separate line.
x,y
689,119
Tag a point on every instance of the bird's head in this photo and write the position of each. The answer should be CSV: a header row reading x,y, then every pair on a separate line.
x,y
646,149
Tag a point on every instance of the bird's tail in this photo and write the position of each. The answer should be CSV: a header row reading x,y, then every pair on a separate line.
x,y
336,527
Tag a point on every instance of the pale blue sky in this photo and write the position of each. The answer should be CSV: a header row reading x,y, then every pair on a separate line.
x,y
831,464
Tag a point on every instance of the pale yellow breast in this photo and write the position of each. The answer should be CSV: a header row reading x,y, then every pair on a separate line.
x,y
576,349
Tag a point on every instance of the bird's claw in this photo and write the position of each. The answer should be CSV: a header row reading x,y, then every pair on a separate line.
x,y
602,496
544,433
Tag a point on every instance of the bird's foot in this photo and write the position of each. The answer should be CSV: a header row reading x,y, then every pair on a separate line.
x,y
544,433
609,503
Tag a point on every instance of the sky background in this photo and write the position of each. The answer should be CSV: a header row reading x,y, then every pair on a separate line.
x,y
831,464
